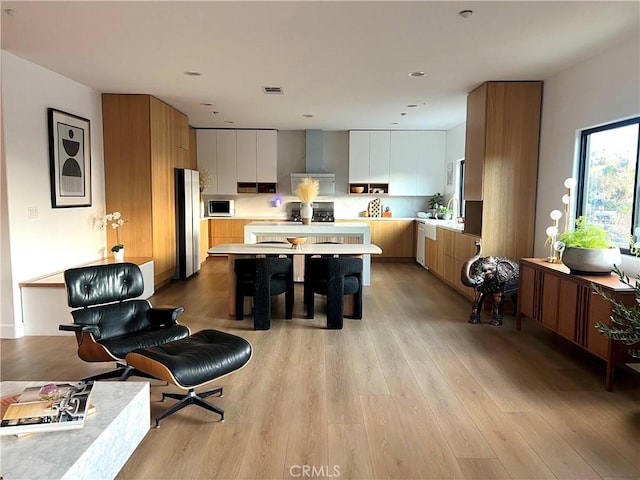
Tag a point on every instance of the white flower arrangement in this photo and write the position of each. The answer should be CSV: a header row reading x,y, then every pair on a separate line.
x,y
116,221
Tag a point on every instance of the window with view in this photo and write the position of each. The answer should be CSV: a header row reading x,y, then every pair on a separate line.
x,y
608,193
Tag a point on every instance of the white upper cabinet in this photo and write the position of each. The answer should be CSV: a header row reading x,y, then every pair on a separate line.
x,y
410,162
359,157
206,148
368,156
379,157
267,156
431,162
246,155
404,159
237,156
226,154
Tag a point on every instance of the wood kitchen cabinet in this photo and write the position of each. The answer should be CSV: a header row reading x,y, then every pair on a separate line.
x,y
226,230
568,305
396,238
501,163
144,141
446,255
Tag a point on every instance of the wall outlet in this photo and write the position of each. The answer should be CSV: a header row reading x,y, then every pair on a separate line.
x,y
32,212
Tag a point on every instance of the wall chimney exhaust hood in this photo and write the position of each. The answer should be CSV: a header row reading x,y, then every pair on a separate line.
x,y
314,166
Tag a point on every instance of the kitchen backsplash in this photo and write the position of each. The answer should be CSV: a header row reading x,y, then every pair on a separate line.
x,y
346,206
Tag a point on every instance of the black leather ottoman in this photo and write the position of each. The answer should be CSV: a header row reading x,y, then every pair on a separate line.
x,y
190,363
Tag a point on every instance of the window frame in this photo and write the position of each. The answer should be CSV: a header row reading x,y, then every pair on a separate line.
x,y
582,172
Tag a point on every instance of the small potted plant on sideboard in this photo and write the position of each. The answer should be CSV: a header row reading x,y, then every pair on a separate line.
x,y
588,250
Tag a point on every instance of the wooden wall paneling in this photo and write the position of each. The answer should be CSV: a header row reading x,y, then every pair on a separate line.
x,y
475,143
127,148
163,185
510,168
193,151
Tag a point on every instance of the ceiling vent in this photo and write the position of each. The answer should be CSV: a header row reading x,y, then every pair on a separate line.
x,y
272,90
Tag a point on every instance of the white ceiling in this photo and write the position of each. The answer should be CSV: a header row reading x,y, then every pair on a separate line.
x,y
345,63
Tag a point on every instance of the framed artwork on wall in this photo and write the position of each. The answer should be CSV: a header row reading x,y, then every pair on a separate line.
x,y
450,173
69,160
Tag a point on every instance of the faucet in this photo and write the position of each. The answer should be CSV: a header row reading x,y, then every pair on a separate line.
x,y
457,202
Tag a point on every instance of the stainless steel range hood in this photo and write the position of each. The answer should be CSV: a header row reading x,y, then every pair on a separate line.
x,y
314,165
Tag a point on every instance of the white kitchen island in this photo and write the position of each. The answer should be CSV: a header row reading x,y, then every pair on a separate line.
x,y
340,232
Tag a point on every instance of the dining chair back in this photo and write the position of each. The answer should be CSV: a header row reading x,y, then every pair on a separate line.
x,y
262,278
334,277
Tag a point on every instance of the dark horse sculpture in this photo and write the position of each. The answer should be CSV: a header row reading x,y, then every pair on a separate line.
x,y
495,276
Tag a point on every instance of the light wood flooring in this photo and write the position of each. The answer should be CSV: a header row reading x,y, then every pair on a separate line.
x,y
411,391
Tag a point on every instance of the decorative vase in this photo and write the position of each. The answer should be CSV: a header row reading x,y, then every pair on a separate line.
x,y
306,213
119,255
591,261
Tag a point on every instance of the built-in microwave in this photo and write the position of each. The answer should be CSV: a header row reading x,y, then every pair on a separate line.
x,y
220,208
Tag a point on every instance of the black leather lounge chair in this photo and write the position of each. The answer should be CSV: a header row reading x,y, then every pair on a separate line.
x,y
109,323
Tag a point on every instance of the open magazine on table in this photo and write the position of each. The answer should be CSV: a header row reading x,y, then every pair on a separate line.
x,y
46,408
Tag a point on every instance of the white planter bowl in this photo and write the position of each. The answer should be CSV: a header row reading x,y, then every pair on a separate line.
x,y
591,261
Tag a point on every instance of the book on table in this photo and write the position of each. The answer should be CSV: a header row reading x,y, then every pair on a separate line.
x,y
46,408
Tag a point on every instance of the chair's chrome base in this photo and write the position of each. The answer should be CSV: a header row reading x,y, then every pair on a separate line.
x,y
191,398
122,372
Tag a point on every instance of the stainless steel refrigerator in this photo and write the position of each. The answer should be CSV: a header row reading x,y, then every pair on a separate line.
x,y
187,222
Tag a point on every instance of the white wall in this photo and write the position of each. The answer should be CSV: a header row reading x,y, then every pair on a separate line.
x,y
604,89
57,238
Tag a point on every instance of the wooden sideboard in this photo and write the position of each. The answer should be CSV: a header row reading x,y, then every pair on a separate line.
x,y
568,305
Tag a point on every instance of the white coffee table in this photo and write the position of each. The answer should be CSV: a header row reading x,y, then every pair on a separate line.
x,y
98,450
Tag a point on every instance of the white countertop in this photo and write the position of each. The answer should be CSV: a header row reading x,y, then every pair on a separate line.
x,y
314,225
305,249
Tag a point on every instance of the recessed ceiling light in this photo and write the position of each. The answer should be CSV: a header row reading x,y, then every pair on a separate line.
x,y
403,113
229,121
465,13
307,115
10,11
215,113
417,74
192,74
412,105
394,123
206,104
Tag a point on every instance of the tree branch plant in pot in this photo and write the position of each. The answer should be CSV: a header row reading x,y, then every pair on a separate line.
x,y
625,320
588,249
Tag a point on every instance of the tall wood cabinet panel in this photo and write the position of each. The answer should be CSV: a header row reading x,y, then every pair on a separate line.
x,y
141,150
568,305
501,163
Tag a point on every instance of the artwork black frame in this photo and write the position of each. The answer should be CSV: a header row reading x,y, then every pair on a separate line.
x,y
69,159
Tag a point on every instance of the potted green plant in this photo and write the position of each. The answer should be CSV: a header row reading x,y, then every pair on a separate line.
x,y
625,321
444,213
435,201
588,249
